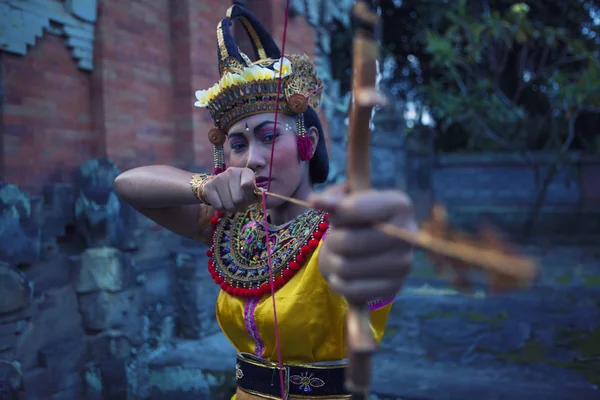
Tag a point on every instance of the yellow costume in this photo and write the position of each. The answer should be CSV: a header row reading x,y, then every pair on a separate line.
x,y
311,318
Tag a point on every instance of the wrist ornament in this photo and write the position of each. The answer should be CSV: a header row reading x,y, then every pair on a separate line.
x,y
197,183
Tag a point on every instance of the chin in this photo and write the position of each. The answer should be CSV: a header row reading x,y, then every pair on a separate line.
x,y
273,202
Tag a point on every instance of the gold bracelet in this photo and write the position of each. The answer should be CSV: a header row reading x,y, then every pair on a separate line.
x,y
197,183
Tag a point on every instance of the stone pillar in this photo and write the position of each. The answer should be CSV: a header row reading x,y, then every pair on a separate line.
x,y
10,380
195,293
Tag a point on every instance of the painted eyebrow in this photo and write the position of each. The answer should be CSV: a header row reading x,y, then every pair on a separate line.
x,y
255,129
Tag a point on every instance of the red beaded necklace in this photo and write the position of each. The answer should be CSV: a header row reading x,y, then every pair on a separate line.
x,y
238,251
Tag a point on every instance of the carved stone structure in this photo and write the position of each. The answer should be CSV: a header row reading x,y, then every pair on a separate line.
x,y
19,235
101,218
22,22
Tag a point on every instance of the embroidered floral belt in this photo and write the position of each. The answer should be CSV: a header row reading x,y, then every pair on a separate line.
x,y
260,378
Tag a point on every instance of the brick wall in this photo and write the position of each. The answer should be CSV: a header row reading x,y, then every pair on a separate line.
x,y
46,115
136,106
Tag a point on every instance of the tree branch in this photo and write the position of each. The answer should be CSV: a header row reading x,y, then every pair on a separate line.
x,y
544,57
520,71
485,128
539,202
489,133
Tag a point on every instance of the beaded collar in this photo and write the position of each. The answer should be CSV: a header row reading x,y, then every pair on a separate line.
x,y
238,252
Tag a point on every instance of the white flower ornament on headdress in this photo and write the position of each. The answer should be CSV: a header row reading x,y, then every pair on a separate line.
x,y
251,74
286,70
201,98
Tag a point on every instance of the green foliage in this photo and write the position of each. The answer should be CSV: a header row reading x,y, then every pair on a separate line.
x,y
499,75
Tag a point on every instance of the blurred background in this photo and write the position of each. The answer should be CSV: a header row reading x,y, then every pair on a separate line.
x,y
495,114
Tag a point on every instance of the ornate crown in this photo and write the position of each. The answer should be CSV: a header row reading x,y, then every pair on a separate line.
x,y
247,88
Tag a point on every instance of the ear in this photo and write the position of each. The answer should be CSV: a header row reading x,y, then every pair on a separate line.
x,y
313,135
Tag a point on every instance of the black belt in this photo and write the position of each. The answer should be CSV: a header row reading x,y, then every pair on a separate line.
x,y
261,377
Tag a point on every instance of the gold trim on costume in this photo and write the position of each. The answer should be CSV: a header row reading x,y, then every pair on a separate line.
x,y
229,11
244,394
248,394
252,33
252,359
238,235
221,41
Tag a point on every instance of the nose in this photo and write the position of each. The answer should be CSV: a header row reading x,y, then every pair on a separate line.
x,y
257,158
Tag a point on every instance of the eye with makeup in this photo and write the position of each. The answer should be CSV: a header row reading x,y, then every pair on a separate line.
x,y
237,142
267,134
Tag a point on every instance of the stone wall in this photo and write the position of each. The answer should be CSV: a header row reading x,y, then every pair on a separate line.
x,y
504,188
98,303
88,293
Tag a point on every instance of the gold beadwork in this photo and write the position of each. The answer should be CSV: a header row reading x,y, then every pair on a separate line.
x,y
304,80
240,240
254,36
300,126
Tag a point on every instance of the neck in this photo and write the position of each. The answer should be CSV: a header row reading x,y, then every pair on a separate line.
x,y
288,211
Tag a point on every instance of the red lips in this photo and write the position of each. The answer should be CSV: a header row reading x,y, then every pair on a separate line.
x,y
262,181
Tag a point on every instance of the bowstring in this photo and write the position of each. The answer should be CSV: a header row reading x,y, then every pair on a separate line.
x,y
264,205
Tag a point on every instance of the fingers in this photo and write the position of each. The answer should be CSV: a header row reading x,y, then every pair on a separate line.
x,y
382,265
211,194
359,260
364,290
247,185
329,198
222,186
237,197
364,208
361,241
231,191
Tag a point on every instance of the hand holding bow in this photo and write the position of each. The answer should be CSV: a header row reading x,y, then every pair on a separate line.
x,y
360,261
346,256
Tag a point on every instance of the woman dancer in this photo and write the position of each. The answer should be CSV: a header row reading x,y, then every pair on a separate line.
x,y
319,255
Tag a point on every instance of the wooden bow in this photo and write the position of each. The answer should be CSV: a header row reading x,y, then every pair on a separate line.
x,y
444,245
360,341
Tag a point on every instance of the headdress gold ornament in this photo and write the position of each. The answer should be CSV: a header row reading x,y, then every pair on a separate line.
x,y
247,88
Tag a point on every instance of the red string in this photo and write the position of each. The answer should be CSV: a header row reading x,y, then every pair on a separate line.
x,y
264,204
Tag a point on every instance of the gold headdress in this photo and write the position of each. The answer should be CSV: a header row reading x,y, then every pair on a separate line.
x,y
247,88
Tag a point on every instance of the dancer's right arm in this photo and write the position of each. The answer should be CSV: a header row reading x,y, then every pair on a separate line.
x,y
163,194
